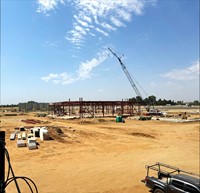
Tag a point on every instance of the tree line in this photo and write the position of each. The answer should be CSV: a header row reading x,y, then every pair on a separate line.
x,y
12,105
161,102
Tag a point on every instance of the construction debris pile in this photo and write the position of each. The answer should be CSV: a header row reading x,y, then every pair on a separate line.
x,y
28,136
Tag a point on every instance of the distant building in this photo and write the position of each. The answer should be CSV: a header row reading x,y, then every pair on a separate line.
x,y
33,106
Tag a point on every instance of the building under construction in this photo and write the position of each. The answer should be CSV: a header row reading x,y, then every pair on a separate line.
x,y
94,108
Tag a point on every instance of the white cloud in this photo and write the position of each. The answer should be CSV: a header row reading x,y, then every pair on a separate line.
x,y
189,73
80,21
101,31
96,14
63,78
108,26
117,22
47,5
105,13
49,77
84,72
123,14
86,67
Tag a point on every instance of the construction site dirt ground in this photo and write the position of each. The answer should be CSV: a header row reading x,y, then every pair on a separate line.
x,y
99,155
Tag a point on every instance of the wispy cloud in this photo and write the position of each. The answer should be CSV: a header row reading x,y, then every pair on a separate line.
x,y
105,16
93,16
189,73
63,78
84,71
44,6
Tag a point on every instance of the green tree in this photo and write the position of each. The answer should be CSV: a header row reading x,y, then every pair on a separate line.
x,y
139,99
133,100
152,100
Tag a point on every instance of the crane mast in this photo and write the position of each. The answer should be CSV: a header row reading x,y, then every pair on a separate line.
x,y
127,74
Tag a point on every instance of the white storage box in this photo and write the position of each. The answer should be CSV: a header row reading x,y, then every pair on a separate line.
x,y
23,135
12,136
29,135
32,140
21,143
19,136
32,146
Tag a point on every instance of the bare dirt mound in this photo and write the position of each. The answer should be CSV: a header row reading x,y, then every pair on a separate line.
x,y
56,133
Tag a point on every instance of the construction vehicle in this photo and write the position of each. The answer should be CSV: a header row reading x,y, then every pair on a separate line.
x,y
169,179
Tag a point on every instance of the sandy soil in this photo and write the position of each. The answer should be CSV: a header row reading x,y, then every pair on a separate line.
x,y
100,155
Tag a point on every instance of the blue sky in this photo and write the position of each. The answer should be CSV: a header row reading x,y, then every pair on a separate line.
x,y
53,50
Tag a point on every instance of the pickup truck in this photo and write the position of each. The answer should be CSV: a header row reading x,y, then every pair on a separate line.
x,y
171,179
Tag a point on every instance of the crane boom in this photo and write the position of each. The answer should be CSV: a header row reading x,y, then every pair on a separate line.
x,y
127,74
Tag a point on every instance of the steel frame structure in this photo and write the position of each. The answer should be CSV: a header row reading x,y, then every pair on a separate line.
x,y
95,108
